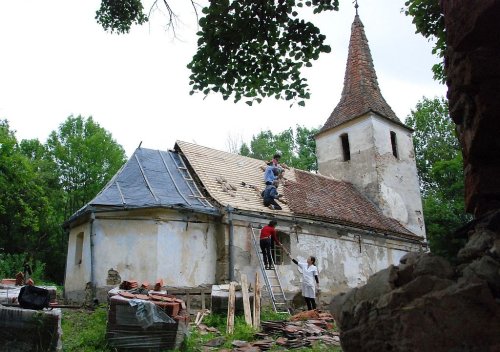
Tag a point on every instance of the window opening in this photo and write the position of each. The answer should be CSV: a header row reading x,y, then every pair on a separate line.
x,y
345,146
79,249
279,257
394,144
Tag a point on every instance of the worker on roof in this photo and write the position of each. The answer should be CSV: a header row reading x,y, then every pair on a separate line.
x,y
280,168
270,174
270,194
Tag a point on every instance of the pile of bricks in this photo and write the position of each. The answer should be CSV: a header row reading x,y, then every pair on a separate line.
x,y
302,333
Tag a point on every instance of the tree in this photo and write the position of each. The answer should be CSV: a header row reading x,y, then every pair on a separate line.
x,y
434,137
297,148
25,210
429,21
439,164
249,50
86,157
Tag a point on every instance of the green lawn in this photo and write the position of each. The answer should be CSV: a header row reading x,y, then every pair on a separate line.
x,y
84,331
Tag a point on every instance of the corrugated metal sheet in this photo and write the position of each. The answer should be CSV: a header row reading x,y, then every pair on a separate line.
x,y
151,178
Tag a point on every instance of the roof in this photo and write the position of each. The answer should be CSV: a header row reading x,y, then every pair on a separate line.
x,y
150,178
326,198
227,176
361,93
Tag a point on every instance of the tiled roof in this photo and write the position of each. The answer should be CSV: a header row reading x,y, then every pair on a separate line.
x,y
211,165
307,194
326,198
361,93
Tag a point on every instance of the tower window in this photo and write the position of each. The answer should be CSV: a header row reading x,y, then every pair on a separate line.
x,y
394,144
345,146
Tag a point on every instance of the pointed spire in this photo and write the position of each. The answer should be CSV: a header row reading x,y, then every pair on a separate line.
x,y
361,93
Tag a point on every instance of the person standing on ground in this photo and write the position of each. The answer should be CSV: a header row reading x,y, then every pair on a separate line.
x,y
309,276
268,234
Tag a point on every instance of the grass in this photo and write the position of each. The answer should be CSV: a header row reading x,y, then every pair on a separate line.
x,y
84,330
242,331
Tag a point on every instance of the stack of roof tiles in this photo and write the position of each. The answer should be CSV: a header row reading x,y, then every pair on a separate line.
x,y
126,330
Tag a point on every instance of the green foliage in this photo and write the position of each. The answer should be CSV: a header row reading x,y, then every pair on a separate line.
x,y
42,185
86,157
440,168
120,15
85,331
429,21
24,205
11,264
268,314
434,138
297,148
255,49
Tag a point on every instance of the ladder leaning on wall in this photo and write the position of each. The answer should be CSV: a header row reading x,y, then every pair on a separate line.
x,y
272,282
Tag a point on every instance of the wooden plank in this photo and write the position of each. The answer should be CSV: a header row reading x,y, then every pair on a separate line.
x,y
202,300
188,303
230,308
246,300
256,303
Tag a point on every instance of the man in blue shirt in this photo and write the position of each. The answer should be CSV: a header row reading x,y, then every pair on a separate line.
x,y
270,194
270,174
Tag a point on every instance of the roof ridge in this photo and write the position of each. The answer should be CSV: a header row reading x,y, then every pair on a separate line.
x,y
218,150
361,92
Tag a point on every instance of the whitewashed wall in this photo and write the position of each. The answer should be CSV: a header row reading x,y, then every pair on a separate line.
x,y
169,246
390,182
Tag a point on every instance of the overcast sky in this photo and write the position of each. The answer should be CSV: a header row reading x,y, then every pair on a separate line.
x,y
55,60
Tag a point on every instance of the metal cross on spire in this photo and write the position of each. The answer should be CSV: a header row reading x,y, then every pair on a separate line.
x,y
355,2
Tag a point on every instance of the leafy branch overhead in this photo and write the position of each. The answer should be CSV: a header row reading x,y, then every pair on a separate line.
x,y
254,49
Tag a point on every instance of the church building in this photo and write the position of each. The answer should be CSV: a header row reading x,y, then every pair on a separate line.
x,y
183,216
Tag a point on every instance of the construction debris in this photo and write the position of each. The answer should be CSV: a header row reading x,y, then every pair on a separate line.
x,y
302,333
145,320
287,334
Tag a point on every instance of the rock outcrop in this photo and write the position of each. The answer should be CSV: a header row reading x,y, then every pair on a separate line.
x,y
426,304
473,78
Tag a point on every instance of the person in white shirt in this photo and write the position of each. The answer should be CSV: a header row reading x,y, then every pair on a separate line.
x,y
310,280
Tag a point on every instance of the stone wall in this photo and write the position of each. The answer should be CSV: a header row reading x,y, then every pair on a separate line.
x,y
473,77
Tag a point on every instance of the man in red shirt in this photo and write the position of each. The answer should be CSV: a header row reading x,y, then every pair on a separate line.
x,y
268,234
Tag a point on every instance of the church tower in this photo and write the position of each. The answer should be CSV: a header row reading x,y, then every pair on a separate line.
x,y
364,142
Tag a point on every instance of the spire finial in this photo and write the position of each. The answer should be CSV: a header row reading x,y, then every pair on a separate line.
x,y
355,2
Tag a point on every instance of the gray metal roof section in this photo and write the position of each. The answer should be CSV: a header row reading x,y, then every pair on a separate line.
x,y
151,178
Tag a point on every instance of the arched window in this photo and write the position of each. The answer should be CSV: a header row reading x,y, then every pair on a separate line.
x,y
394,144
345,146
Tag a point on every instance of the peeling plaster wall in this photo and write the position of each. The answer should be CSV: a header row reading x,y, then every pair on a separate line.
x,y
390,182
399,185
77,275
345,257
177,248
361,169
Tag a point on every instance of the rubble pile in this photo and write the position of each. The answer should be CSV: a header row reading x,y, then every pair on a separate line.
x,y
302,333
297,333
